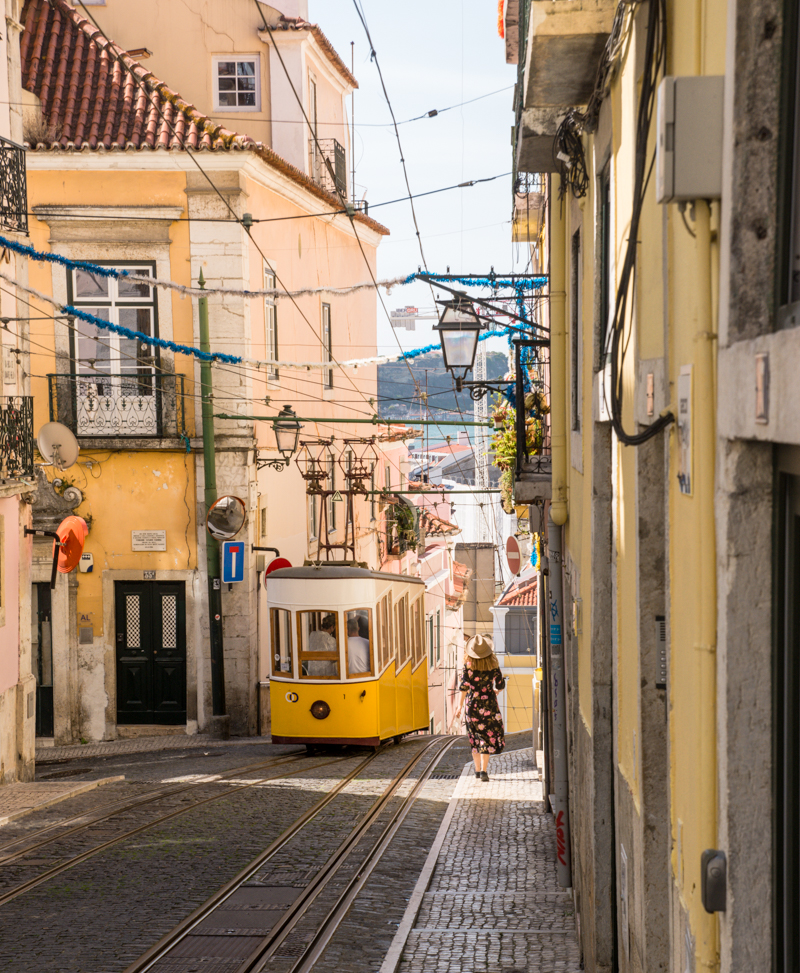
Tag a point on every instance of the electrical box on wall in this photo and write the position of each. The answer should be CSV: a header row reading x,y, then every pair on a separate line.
x,y
689,139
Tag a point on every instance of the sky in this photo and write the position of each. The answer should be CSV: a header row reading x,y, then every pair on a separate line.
x,y
433,54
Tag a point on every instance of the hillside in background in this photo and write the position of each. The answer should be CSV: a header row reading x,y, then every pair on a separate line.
x,y
398,397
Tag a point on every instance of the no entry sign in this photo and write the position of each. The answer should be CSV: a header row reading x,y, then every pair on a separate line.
x,y
513,555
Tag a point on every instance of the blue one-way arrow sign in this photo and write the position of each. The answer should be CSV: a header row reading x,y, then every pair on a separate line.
x,y
232,561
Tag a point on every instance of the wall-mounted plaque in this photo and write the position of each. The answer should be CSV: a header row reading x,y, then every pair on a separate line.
x,y
148,540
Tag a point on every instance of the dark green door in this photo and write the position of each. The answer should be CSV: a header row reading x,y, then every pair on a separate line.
x,y
151,652
42,657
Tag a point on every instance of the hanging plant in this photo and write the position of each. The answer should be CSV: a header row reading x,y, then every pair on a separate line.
x,y
401,528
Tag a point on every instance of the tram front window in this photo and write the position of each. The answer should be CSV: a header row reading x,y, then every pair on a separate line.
x,y
319,644
359,642
281,642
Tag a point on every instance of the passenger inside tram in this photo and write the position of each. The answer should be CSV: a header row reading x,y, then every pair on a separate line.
x,y
357,645
319,639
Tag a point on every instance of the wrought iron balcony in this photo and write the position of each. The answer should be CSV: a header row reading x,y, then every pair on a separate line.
x,y
13,187
141,404
322,152
16,437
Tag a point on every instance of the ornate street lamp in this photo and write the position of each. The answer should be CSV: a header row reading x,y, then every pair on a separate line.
x,y
287,432
459,328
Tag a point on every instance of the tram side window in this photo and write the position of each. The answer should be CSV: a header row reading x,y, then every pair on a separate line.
x,y
359,642
403,648
280,624
385,653
319,644
419,639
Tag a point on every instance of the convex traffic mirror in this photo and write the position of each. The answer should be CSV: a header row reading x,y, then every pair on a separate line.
x,y
226,518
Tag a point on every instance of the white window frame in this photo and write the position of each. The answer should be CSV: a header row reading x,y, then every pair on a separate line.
x,y
327,346
218,59
271,325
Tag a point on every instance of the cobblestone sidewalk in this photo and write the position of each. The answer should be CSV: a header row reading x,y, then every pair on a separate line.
x,y
492,904
110,748
17,800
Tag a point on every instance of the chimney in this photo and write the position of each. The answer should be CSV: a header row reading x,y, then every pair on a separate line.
x,y
463,437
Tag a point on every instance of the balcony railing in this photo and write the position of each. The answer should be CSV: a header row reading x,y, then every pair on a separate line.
x,y
323,151
13,187
16,437
141,404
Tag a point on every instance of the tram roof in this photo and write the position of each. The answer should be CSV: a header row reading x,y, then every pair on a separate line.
x,y
333,573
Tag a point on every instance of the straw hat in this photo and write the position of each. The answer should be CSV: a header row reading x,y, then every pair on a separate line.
x,y
479,647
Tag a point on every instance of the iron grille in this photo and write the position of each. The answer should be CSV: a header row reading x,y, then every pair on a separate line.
x,y
13,187
141,404
16,437
324,151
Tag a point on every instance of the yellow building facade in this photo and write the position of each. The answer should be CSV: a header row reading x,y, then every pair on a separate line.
x,y
117,184
663,260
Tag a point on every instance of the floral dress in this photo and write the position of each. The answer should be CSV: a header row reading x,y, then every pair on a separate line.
x,y
482,714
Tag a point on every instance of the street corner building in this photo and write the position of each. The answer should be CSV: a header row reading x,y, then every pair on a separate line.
x,y
656,181
128,175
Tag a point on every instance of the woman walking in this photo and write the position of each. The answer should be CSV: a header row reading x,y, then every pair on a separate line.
x,y
480,683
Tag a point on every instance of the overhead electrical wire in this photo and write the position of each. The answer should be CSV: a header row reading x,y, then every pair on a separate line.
x,y
191,155
375,59
269,219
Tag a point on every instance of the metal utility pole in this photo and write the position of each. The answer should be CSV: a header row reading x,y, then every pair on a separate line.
x,y
558,701
210,496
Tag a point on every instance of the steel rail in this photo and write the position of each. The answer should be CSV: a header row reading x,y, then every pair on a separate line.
x,y
335,916
290,918
90,853
162,948
110,808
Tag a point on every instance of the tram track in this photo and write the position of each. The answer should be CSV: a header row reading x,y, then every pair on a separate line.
x,y
123,807
178,942
25,844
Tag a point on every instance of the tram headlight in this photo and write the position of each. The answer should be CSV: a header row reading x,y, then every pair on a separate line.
x,y
320,709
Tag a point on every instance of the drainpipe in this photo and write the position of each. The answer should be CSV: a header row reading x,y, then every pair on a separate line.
x,y
703,420
559,800
210,496
558,356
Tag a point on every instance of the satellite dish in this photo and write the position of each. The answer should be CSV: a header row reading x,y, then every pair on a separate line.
x,y
57,445
226,518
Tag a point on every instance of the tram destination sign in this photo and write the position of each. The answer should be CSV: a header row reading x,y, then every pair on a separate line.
x,y
148,540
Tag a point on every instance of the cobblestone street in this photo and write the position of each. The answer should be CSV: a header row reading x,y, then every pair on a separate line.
x,y
467,883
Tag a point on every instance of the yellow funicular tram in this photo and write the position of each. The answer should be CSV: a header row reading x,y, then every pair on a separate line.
x,y
348,655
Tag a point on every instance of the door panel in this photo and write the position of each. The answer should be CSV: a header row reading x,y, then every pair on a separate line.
x,y
42,657
151,652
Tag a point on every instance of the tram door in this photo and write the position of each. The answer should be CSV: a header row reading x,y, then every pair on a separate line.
x,y
151,652
42,657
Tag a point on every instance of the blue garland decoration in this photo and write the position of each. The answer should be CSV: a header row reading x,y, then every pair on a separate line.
x,y
148,340
56,258
520,286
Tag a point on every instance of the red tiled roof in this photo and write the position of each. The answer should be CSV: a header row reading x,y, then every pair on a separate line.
x,y
450,448
461,578
522,595
90,101
297,23
436,526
